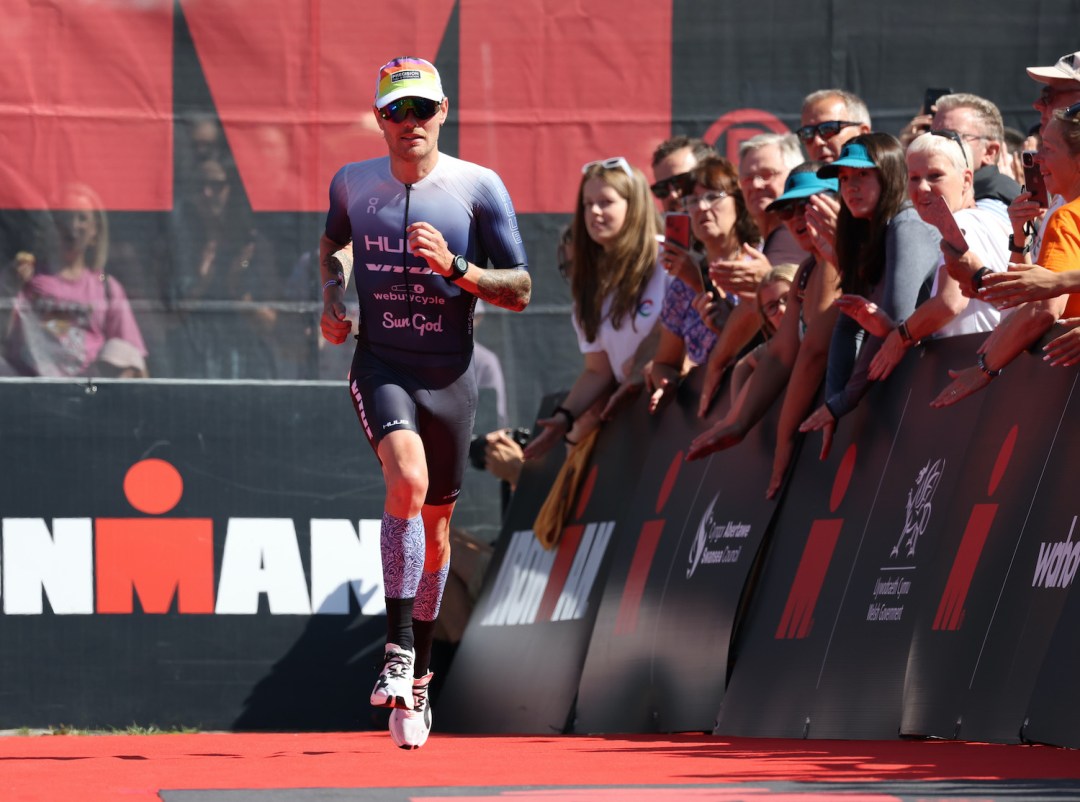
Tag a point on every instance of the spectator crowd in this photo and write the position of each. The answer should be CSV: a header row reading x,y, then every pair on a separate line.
x,y
806,269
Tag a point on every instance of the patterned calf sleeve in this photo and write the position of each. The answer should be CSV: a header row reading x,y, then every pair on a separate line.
x,y
425,611
401,544
429,593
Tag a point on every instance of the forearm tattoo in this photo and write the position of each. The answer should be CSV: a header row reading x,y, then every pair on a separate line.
x,y
509,289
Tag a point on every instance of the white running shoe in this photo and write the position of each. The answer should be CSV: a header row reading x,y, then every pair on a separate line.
x,y
394,687
410,728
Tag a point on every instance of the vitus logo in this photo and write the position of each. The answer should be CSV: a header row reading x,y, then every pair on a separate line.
x,y
950,611
84,566
535,584
798,617
919,506
1057,563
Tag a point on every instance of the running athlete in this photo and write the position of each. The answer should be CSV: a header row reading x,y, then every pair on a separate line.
x,y
422,226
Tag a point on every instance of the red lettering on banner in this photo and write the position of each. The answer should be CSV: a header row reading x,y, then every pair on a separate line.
x,y
634,590
294,84
535,104
950,612
160,559
560,570
798,615
88,99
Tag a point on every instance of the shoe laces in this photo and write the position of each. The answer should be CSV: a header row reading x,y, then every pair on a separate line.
x,y
419,695
397,665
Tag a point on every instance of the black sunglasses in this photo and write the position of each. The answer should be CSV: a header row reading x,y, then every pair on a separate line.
x,y
948,133
682,184
421,107
1072,111
826,130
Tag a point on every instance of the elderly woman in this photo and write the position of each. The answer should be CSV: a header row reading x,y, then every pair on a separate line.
x,y
939,169
1041,293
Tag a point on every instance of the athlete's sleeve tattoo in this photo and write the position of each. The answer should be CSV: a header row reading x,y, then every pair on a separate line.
x,y
509,289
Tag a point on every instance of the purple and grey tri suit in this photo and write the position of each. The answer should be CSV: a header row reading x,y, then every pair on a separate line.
x,y
413,363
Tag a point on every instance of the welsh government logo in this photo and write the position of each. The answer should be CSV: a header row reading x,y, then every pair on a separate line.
x,y
919,506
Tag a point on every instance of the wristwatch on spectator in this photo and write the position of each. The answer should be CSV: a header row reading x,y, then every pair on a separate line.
x,y
1018,248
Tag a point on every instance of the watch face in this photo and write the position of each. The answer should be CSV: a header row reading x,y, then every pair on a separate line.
x,y
461,267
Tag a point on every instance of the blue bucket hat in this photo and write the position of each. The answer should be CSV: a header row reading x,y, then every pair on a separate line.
x,y
853,155
803,185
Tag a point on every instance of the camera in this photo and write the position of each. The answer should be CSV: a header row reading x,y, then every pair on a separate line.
x,y
478,446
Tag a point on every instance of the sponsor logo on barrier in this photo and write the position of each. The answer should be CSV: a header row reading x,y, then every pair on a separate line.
x,y
714,542
1057,562
919,506
83,566
535,585
890,591
798,617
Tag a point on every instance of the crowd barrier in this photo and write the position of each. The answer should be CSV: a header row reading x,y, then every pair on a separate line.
x,y
195,554
914,583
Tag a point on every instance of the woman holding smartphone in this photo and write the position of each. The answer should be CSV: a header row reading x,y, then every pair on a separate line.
x,y
721,222
885,253
617,287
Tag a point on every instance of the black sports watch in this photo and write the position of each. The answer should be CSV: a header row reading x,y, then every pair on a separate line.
x,y
458,268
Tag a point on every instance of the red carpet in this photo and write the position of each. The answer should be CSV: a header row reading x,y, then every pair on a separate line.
x,y
136,768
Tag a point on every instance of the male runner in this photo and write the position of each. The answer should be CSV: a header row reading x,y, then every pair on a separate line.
x,y
422,226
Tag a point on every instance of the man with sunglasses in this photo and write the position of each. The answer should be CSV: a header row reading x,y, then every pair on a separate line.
x,y
829,118
422,225
672,162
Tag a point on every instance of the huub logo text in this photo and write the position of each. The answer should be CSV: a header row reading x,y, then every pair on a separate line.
x,y
716,542
1057,562
83,566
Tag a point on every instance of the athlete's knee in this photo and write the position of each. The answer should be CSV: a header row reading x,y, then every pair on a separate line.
x,y
406,490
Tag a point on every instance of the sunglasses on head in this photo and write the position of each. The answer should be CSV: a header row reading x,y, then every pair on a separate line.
x,y
421,107
826,130
614,163
948,133
681,184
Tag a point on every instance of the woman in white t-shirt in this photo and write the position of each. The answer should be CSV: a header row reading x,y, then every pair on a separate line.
x,y
617,289
939,164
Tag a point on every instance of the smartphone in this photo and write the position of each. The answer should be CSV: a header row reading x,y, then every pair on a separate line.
x,y
1033,178
677,229
939,216
930,97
